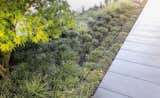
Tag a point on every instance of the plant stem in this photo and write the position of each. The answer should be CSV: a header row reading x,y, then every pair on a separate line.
x,y
6,58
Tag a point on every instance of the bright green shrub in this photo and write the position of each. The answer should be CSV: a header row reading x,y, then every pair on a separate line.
x,y
96,55
120,6
86,37
37,88
19,24
95,42
103,30
90,65
98,36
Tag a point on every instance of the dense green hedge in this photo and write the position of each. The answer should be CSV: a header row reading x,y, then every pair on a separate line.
x,y
74,65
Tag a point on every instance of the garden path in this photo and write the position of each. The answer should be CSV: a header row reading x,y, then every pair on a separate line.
x,y
135,72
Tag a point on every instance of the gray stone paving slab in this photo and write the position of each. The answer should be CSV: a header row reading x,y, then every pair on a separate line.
x,y
131,86
102,93
145,34
140,58
134,70
148,29
143,48
144,40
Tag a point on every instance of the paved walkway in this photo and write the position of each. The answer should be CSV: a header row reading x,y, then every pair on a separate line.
x,y
135,73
